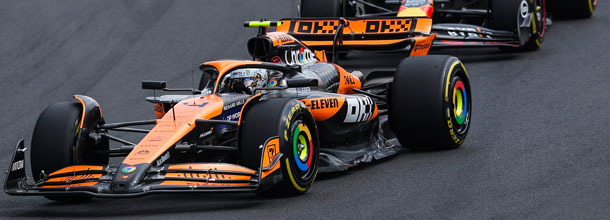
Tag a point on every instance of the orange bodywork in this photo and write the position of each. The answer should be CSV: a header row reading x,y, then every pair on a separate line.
x,y
193,183
368,26
211,166
354,42
76,168
169,130
279,38
321,55
272,148
386,31
203,176
423,25
422,45
77,177
347,81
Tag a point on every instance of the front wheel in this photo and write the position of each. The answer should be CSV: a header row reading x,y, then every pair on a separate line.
x,y
526,17
54,143
430,103
291,125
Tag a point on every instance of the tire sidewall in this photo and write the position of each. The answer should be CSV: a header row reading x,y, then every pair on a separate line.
x,y
455,68
295,113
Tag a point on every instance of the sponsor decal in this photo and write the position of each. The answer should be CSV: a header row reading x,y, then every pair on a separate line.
x,y
17,165
290,114
280,38
301,57
388,26
524,9
234,104
276,59
159,107
359,109
323,103
423,46
468,32
349,80
162,159
128,169
271,152
272,82
454,136
136,158
303,89
205,134
232,117
317,27
143,152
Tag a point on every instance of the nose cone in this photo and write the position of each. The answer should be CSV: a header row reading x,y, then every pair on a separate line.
x,y
128,178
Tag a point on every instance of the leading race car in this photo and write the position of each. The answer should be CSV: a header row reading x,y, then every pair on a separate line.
x,y
518,24
266,126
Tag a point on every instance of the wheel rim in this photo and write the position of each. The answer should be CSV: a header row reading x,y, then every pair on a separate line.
x,y
539,18
302,147
461,105
592,5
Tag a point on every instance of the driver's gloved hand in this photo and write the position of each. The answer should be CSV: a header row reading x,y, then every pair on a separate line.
x,y
240,87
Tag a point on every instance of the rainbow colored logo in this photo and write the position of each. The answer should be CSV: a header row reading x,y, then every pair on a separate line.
x,y
302,147
128,169
272,82
460,102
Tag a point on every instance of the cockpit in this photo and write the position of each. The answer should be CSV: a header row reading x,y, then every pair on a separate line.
x,y
247,80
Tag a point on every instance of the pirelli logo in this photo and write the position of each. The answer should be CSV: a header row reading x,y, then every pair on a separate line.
x,y
358,26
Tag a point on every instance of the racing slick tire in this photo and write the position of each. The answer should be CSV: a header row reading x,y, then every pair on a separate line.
x,y
430,103
292,123
573,9
505,16
54,143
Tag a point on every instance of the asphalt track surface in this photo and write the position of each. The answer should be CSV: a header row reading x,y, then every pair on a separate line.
x,y
538,147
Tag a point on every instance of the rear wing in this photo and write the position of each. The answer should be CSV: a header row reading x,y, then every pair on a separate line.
x,y
359,33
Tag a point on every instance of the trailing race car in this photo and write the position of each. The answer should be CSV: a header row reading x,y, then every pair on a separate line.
x,y
503,23
266,126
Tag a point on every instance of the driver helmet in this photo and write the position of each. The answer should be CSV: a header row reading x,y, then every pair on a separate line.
x,y
251,78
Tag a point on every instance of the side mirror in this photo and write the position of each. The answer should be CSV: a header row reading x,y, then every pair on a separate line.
x,y
149,84
293,83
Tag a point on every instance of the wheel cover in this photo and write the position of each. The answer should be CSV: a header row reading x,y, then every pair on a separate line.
x,y
302,145
460,102
461,105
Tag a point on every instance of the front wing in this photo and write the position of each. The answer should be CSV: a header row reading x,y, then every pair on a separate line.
x,y
96,180
465,35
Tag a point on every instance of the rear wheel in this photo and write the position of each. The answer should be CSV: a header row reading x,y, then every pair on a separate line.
x,y
527,17
54,142
574,8
291,122
430,103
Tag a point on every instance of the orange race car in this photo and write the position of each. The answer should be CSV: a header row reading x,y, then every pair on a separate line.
x,y
266,126
518,24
